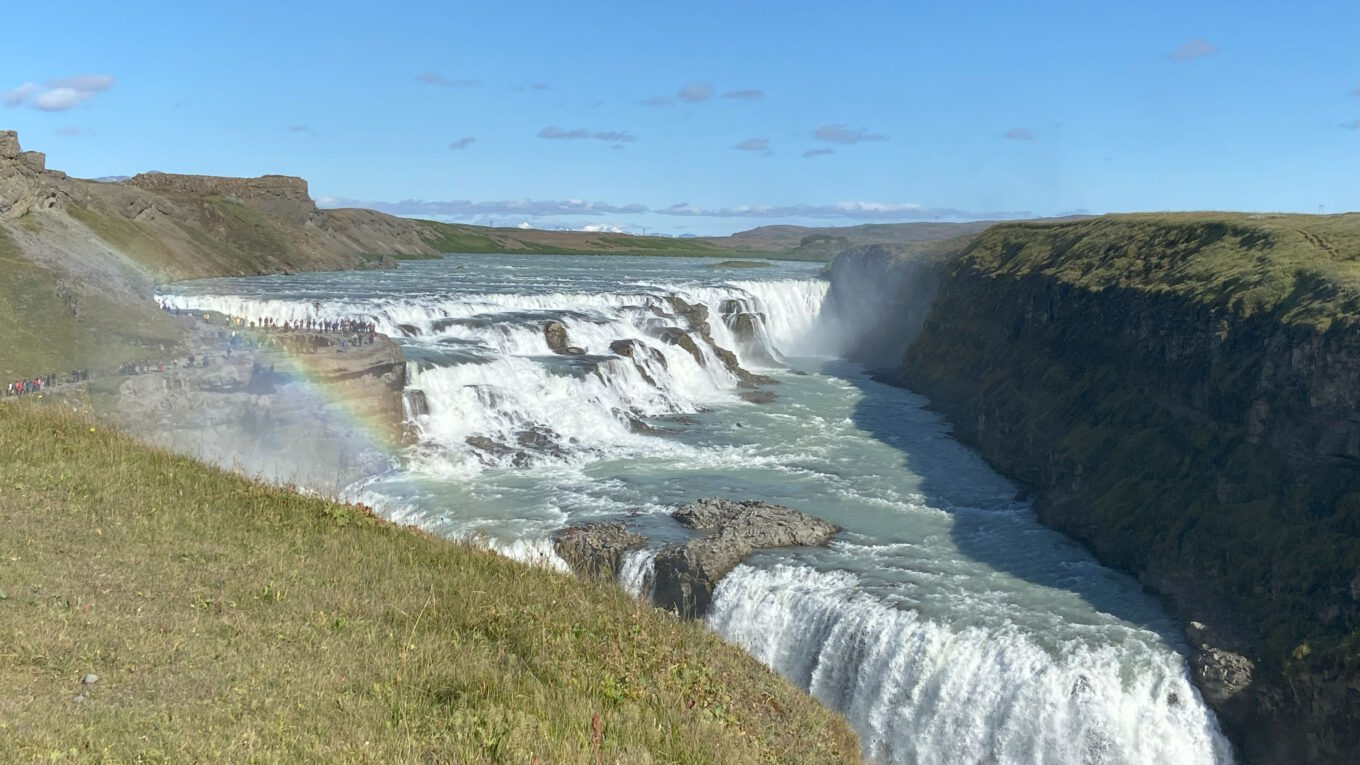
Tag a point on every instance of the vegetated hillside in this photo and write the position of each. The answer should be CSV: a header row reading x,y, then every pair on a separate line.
x,y
825,243
222,620
1185,392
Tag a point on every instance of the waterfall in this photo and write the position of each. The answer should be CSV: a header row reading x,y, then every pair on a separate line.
x,y
515,440
635,576
921,692
494,395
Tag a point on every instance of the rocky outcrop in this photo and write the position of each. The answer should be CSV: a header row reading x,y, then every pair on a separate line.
x,y
677,336
1195,430
696,319
686,574
282,196
556,336
25,185
596,550
639,352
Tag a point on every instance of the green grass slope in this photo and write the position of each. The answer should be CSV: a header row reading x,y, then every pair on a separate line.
x,y
229,621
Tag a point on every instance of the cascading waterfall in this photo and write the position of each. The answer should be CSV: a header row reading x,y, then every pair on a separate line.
x,y
636,573
921,692
911,630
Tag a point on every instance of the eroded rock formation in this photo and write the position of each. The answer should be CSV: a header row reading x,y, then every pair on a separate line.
x,y
686,574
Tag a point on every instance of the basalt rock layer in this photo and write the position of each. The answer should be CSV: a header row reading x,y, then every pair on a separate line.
x,y
1183,393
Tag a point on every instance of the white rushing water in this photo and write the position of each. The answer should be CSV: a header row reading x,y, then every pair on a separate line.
x,y
945,622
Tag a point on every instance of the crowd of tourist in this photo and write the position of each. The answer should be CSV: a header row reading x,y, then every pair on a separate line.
x,y
356,333
31,385
360,332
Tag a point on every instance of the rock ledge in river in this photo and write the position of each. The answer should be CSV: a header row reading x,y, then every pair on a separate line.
x,y
596,549
687,574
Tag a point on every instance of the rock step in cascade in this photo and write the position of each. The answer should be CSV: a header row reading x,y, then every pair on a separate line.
x,y
686,574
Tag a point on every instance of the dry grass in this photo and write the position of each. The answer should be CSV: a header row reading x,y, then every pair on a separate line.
x,y
232,621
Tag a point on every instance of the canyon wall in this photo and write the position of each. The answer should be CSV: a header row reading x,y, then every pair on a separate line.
x,y
1183,395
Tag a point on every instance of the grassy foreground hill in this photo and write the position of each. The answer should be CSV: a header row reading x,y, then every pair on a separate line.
x,y
227,620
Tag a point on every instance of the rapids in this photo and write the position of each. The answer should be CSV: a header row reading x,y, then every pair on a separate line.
x,y
945,622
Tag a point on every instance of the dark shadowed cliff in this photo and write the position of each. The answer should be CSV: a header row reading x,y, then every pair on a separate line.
x,y
1183,392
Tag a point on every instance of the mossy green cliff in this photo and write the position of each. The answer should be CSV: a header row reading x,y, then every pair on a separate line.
x,y
1184,393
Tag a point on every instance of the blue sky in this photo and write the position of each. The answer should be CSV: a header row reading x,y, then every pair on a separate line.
x,y
709,118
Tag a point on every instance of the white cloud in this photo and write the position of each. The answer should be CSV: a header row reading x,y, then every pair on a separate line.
x,y
1018,134
615,137
463,208
754,144
851,210
434,78
695,92
810,153
745,95
60,94
462,143
531,209
1193,49
843,134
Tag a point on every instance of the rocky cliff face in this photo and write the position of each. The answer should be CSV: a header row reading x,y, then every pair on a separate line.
x,y
282,196
184,226
1188,430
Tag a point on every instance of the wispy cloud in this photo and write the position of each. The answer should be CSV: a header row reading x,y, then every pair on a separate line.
x,y
810,153
754,144
613,136
1193,49
468,209
1018,134
658,101
849,210
462,143
539,208
69,132
60,94
1351,125
434,78
843,134
695,92
301,129
745,95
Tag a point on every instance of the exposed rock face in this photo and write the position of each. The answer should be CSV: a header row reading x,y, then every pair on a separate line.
x,y
9,144
556,336
282,196
677,336
24,185
1209,450
596,549
632,349
36,160
686,574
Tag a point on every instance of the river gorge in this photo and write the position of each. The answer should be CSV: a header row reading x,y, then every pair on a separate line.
x,y
944,621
